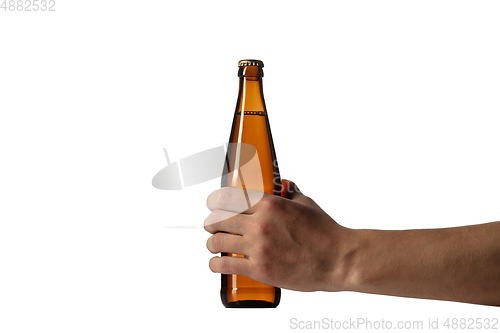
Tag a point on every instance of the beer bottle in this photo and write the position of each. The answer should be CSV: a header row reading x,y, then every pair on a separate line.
x,y
250,127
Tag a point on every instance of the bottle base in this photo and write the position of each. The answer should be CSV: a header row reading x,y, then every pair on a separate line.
x,y
250,304
255,304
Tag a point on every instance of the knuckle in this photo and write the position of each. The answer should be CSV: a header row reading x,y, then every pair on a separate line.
x,y
209,244
219,216
211,199
261,249
215,199
214,243
223,265
213,217
272,203
208,222
222,195
264,227
212,264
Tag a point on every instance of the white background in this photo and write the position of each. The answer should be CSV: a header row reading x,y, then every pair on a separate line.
x,y
384,112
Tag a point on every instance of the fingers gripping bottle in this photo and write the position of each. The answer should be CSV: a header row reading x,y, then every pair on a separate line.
x,y
250,126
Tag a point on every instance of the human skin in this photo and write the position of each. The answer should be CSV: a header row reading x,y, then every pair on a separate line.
x,y
290,242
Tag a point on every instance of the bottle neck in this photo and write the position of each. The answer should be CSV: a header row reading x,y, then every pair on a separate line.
x,y
250,96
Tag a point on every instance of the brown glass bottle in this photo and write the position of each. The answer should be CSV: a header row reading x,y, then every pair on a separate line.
x,y
250,126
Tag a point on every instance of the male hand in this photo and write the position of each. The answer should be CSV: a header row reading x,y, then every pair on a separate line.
x,y
287,242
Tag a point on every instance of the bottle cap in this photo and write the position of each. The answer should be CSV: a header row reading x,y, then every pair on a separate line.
x,y
250,62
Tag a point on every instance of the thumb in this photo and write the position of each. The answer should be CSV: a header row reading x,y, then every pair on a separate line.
x,y
290,190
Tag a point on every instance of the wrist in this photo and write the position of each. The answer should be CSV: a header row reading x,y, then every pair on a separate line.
x,y
355,262
346,275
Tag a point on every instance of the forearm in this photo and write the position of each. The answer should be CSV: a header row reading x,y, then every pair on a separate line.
x,y
458,264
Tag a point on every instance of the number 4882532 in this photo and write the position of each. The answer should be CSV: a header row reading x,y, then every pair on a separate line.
x,y
28,5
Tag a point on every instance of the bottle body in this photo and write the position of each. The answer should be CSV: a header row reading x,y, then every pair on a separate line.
x,y
250,126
